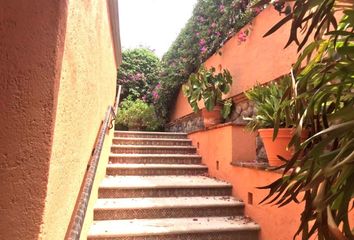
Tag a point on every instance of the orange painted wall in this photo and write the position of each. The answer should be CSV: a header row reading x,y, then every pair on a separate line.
x,y
276,224
87,88
31,48
256,60
57,79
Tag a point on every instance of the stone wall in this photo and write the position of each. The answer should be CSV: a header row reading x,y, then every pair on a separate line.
x,y
190,123
240,111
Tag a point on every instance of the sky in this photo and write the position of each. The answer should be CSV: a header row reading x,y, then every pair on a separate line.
x,y
152,23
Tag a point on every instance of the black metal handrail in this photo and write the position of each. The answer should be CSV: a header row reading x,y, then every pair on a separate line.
x,y
79,213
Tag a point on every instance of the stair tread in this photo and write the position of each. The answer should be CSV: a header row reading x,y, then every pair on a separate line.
x,y
152,133
153,139
150,227
169,181
152,146
165,202
154,166
154,155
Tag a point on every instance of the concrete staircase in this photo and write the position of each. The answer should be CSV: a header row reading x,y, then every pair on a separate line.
x,y
157,189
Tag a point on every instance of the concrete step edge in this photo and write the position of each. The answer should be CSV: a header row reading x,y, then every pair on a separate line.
x,y
155,166
167,186
159,155
188,228
152,146
155,203
151,133
153,139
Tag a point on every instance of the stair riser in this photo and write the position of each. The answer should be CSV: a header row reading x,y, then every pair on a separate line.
x,y
227,235
156,172
168,213
169,136
151,142
155,160
153,151
163,192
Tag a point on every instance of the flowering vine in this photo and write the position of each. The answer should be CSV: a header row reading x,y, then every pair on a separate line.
x,y
212,24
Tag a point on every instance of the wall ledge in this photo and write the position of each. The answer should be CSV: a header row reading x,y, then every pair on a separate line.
x,y
258,166
221,125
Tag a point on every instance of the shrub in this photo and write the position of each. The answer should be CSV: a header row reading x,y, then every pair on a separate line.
x,y
136,115
139,74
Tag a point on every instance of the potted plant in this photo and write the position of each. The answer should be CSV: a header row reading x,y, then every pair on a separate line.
x,y
273,109
209,86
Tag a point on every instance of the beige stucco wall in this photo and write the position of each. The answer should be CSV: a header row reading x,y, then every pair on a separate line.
x,y
87,88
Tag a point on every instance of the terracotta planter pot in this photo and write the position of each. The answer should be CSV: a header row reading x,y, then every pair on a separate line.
x,y
279,146
213,117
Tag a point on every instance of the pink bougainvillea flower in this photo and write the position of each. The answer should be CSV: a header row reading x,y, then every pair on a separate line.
x,y
218,34
213,25
201,19
198,33
257,10
202,42
204,49
242,36
155,95
222,8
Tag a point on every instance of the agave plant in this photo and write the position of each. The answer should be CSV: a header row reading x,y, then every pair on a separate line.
x,y
323,177
209,86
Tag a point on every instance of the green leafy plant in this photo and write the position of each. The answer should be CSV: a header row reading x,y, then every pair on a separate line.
x,y
271,109
321,172
137,115
139,74
209,86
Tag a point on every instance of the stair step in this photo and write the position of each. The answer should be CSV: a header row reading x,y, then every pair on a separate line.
x,y
207,228
174,207
141,134
162,186
155,169
152,141
155,158
151,149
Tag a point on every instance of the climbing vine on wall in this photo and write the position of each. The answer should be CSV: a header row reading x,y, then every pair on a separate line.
x,y
212,24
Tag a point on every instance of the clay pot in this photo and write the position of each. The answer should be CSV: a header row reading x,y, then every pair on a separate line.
x,y
279,145
213,117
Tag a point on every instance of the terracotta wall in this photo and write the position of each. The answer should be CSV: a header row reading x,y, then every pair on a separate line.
x,y
31,48
257,59
87,88
57,79
276,223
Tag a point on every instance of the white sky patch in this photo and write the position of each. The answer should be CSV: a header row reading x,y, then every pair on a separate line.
x,y
153,23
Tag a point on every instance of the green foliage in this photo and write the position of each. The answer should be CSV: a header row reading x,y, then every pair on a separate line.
x,y
137,115
268,100
323,177
208,86
139,74
212,24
